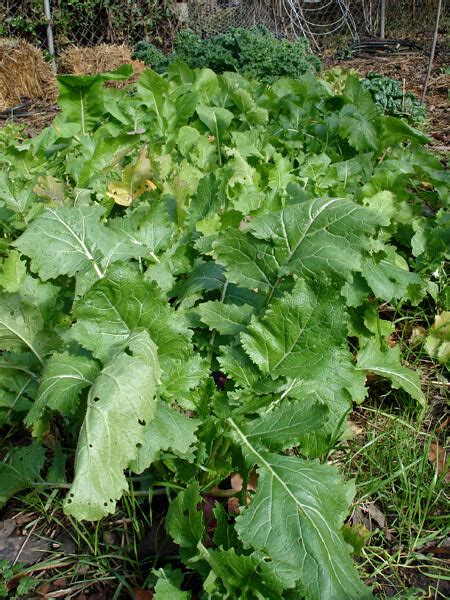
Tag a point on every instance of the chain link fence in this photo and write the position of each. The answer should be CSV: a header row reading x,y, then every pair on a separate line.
x,y
320,20
91,22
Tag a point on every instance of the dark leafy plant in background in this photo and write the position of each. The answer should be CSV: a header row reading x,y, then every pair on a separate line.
x,y
255,52
391,99
191,275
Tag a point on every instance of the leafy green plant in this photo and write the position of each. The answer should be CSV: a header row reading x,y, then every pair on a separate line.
x,y
255,52
191,279
13,585
391,99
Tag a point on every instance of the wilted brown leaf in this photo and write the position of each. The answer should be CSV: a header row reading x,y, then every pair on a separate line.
x,y
438,455
140,594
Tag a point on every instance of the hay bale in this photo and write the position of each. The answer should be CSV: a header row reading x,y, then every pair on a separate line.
x,y
98,59
24,73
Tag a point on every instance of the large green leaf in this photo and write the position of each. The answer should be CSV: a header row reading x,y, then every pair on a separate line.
x,y
121,403
248,261
297,333
296,516
13,272
81,97
287,424
185,522
387,364
228,319
20,470
324,235
338,386
241,576
217,119
169,429
64,377
123,302
389,277
21,326
66,241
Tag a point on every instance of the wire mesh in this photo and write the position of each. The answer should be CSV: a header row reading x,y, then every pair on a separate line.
x,y
91,22
320,20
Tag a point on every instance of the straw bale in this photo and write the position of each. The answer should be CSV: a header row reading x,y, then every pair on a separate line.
x,y
24,73
98,59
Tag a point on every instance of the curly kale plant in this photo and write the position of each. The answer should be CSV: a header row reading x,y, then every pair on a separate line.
x,y
255,52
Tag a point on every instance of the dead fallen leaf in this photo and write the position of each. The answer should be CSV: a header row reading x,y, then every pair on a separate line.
x,y
443,426
6,528
24,519
438,455
370,516
43,589
237,481
142,594
233,505
355,428
31,549
236,485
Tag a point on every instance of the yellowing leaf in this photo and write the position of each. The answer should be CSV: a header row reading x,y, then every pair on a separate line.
x,y
49,188
135,181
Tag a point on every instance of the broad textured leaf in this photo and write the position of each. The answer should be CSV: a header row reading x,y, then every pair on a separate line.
x,y
286,424
236,364
21,327
67,241
20,470
389,277
63,241
296,515
297,333
185,522
123,302
121,403
167,590
338,387
13,272
14,195
248,261
228,319
182,376
247,577
206,201
387,364
324,235
64,377
169,430
81,97
217,119
358,128
204,277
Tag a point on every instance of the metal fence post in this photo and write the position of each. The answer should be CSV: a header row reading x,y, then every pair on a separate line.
x,y
50,42
382,18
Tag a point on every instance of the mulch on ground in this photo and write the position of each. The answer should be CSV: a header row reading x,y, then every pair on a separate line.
x,y
411,68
